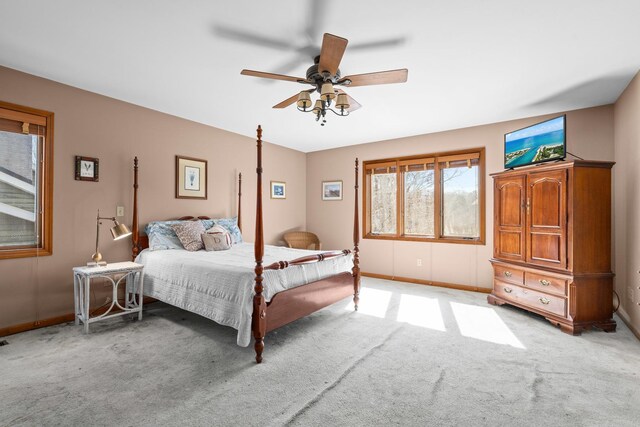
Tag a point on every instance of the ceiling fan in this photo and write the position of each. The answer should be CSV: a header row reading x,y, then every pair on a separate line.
x,y
324,75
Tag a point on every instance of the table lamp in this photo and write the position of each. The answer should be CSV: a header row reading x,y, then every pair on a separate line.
x,y
118,231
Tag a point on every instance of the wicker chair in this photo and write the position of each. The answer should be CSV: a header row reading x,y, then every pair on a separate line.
x,y
302,240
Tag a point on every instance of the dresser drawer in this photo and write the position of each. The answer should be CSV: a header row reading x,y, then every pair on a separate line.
x,y
530,298
508,274
544,283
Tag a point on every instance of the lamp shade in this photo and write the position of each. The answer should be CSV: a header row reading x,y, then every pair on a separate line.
x,y
343,101
318,106
119,231
327,93
304,100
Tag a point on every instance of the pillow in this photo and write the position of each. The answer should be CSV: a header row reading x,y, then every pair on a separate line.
x,y
216,241
162,236
218,229
207,223
189,233
231,224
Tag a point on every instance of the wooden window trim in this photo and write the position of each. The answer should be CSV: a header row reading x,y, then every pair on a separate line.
x,y
35,116
436,158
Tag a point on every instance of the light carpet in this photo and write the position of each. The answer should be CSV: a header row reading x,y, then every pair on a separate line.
x,y
412,355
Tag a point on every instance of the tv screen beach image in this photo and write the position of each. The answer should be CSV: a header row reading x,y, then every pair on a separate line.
x,y
537,143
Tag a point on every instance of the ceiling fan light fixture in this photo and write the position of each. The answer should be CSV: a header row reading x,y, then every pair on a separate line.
x,y
327,93
304,100
343,102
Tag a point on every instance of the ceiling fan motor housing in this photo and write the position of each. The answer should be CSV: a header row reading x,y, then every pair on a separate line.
x,y
314,76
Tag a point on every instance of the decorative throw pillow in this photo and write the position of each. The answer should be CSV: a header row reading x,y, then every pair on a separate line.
x,y
189,233
162,236
231,224
218,229
216,241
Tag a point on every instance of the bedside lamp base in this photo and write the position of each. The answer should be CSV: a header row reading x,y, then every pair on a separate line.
x,y
97,264
97,260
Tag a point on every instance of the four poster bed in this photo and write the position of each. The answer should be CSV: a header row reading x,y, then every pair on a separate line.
x,y
311,282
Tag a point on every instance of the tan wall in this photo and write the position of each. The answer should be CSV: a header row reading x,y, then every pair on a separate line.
x,y
627,201
114,131
590,135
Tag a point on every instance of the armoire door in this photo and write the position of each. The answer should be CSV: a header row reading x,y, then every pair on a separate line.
x,y
547,218
509,218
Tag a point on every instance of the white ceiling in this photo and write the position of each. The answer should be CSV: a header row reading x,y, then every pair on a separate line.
x,y
470,62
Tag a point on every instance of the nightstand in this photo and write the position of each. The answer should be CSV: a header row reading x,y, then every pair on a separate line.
x,y
128,273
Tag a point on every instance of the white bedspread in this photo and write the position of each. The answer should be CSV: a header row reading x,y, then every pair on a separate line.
x,y
220,285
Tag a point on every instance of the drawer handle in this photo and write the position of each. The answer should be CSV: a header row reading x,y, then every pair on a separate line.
x,y
544,300
545,282
507,273
508,290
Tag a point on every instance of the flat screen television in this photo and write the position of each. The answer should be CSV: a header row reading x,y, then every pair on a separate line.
x,y
538,143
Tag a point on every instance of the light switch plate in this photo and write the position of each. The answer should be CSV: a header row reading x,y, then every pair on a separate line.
x,y
120,211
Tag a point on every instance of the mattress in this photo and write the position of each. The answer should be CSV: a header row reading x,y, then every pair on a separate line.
x,y
219,285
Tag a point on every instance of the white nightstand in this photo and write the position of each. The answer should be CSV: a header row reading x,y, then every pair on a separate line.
x,y
130,272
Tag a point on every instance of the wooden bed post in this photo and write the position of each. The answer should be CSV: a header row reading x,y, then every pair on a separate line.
x,y
135,235
259,318
240,201
356,250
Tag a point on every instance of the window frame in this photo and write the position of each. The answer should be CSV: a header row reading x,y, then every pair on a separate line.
x,y
45,206
438,211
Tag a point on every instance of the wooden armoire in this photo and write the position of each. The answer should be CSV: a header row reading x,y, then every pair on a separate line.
x,y
552,243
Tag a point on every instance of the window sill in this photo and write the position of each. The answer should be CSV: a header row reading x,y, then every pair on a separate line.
x,y
24,253
425,239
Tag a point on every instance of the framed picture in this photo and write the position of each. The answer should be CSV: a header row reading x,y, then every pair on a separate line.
x,y
191,178
331,190
278,190
87,168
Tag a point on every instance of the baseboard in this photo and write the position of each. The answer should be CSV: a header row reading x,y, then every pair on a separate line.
x,y
69,317
23,327
627,321
428,283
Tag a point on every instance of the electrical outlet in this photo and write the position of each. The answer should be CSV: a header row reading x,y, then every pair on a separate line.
x,y
419,262
630,293
120,211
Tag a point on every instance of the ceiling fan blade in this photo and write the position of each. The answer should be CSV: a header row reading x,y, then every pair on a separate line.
x,y
273,76
379,78
252,38
287,102
291,100
292,63
315,20
391,42
333,48
353,104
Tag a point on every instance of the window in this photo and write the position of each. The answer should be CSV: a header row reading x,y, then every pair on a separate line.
x,y
437,197
384,189
26,181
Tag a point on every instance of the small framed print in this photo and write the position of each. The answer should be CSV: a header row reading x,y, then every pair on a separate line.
x,y
278,190
331,190
191,178
87,169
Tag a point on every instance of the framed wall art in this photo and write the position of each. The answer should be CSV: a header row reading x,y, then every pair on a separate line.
x,y
191,178
331,190
87,169
278,190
